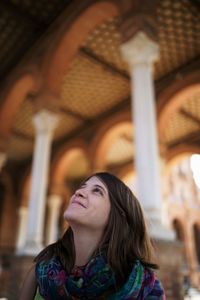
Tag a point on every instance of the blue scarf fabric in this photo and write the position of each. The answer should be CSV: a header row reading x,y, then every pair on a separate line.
x,y
95,281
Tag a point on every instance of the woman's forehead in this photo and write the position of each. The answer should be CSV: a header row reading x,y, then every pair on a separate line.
x,y
94,180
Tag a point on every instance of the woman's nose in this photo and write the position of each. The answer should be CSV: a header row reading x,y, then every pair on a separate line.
x,y
80,193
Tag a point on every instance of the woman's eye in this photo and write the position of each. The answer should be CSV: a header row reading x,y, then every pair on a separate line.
x,y
97,190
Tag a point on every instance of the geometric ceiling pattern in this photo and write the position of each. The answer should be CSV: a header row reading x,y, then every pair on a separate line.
x,y
178,126
184,125
179,35
22,23
89,95
98,79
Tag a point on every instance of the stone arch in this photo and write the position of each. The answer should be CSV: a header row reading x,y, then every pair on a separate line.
x,y
178,153
22,87
183,237
182,150
105,136
63,158
179,178
60,173
170,100
128,176
179,229
107,141
127,172
70,37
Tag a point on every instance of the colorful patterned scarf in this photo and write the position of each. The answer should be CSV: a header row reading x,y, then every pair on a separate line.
x,y
95,281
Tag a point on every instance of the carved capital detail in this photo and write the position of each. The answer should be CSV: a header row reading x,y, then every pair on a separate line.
x,y
45,121
140,49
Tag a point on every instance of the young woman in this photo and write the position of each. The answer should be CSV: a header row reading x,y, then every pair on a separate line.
x,y
105,253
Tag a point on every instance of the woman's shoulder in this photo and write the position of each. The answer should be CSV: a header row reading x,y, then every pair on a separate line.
x,y
145,281
158,290
152,285
48,262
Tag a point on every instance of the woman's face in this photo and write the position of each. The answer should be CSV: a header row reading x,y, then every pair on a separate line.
x,y
90,205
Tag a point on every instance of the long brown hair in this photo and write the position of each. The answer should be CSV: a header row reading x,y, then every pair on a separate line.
x,y
125,238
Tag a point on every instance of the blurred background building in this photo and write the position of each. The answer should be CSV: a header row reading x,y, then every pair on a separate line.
x,y
99,85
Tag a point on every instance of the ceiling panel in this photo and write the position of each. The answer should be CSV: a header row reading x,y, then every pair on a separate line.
x,y
177,127
192,105
19,148
42,10
24,119
105,42
66,124
89,89
178,32
98,81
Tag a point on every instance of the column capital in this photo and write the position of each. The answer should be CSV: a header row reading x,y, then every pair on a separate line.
x,y
45,121
140,50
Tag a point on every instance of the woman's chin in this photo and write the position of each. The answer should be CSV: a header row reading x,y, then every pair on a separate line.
x,y
67,215
71,216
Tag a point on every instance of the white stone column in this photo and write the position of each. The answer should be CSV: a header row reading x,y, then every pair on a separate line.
x,y
45,122
141,52
22,229
3,157
54,203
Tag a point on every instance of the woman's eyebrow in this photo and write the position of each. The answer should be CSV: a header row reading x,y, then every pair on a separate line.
x,y
99,186
95,185
82,185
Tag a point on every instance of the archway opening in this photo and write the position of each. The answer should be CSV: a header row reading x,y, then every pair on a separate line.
x,y
196,231
178,230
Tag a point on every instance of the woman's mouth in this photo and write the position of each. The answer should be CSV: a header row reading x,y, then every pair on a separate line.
x,y
78,203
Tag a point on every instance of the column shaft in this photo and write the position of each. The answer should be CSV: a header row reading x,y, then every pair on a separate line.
x,y
141,52
45,123
22,228
146,154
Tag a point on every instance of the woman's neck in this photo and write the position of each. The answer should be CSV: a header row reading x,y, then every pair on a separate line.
x,y
85,242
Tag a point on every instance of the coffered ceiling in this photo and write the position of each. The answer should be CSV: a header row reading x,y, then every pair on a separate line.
x,y
97,84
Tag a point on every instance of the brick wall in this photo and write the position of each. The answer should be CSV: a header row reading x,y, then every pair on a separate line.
x,y
170,256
